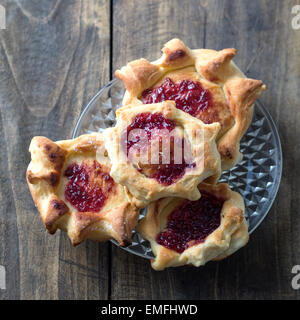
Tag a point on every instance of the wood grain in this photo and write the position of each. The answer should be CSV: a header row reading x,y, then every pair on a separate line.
x,y
268,49
54,55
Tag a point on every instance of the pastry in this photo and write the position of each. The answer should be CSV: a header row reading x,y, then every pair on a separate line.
x,y
183,232
204,83
70,184
160,151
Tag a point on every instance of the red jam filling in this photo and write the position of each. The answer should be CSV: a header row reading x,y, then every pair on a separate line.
x,y
88,186
189,95
148,122
191,223
151,124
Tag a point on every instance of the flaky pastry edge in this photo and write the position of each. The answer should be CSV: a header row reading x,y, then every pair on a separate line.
x,y
231,235
43,177
145,190
213,66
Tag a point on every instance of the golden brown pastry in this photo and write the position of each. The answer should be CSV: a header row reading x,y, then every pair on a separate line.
x,y
183,232
70,184
204,83
158,150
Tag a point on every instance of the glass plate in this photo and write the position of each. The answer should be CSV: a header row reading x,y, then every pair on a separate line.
x,y
256,177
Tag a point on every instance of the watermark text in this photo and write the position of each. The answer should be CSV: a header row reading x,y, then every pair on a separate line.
x,y
296,19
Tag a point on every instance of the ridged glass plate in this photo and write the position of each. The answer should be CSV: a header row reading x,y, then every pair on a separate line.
x,y
256,177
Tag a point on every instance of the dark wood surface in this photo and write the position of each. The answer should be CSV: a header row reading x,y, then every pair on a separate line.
x,y
54,56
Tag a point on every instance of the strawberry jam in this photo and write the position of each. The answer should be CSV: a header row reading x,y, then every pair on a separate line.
x,y
188,95
156,126
88,186
191,223
148,122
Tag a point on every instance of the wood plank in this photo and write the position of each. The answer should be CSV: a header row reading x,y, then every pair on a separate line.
x,y
54,56
268,49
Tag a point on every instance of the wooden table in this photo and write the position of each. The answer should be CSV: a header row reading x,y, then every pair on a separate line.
x,y
54,56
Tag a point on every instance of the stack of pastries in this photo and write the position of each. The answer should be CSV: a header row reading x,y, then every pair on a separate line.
x,y
180,125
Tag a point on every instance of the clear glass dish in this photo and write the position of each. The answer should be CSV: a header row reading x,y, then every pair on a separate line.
x,y
256,177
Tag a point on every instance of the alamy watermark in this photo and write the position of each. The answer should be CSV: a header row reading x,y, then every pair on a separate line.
x,y
2,18
161,147
155,147
2,278
296,279
295,22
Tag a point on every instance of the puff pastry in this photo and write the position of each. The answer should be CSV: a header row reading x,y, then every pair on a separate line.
x,y
205,83
70,184
149,180
183,232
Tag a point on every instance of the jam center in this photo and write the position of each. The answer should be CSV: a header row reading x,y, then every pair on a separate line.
x,y
150,140
191,223
148,123
88,186
188,95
